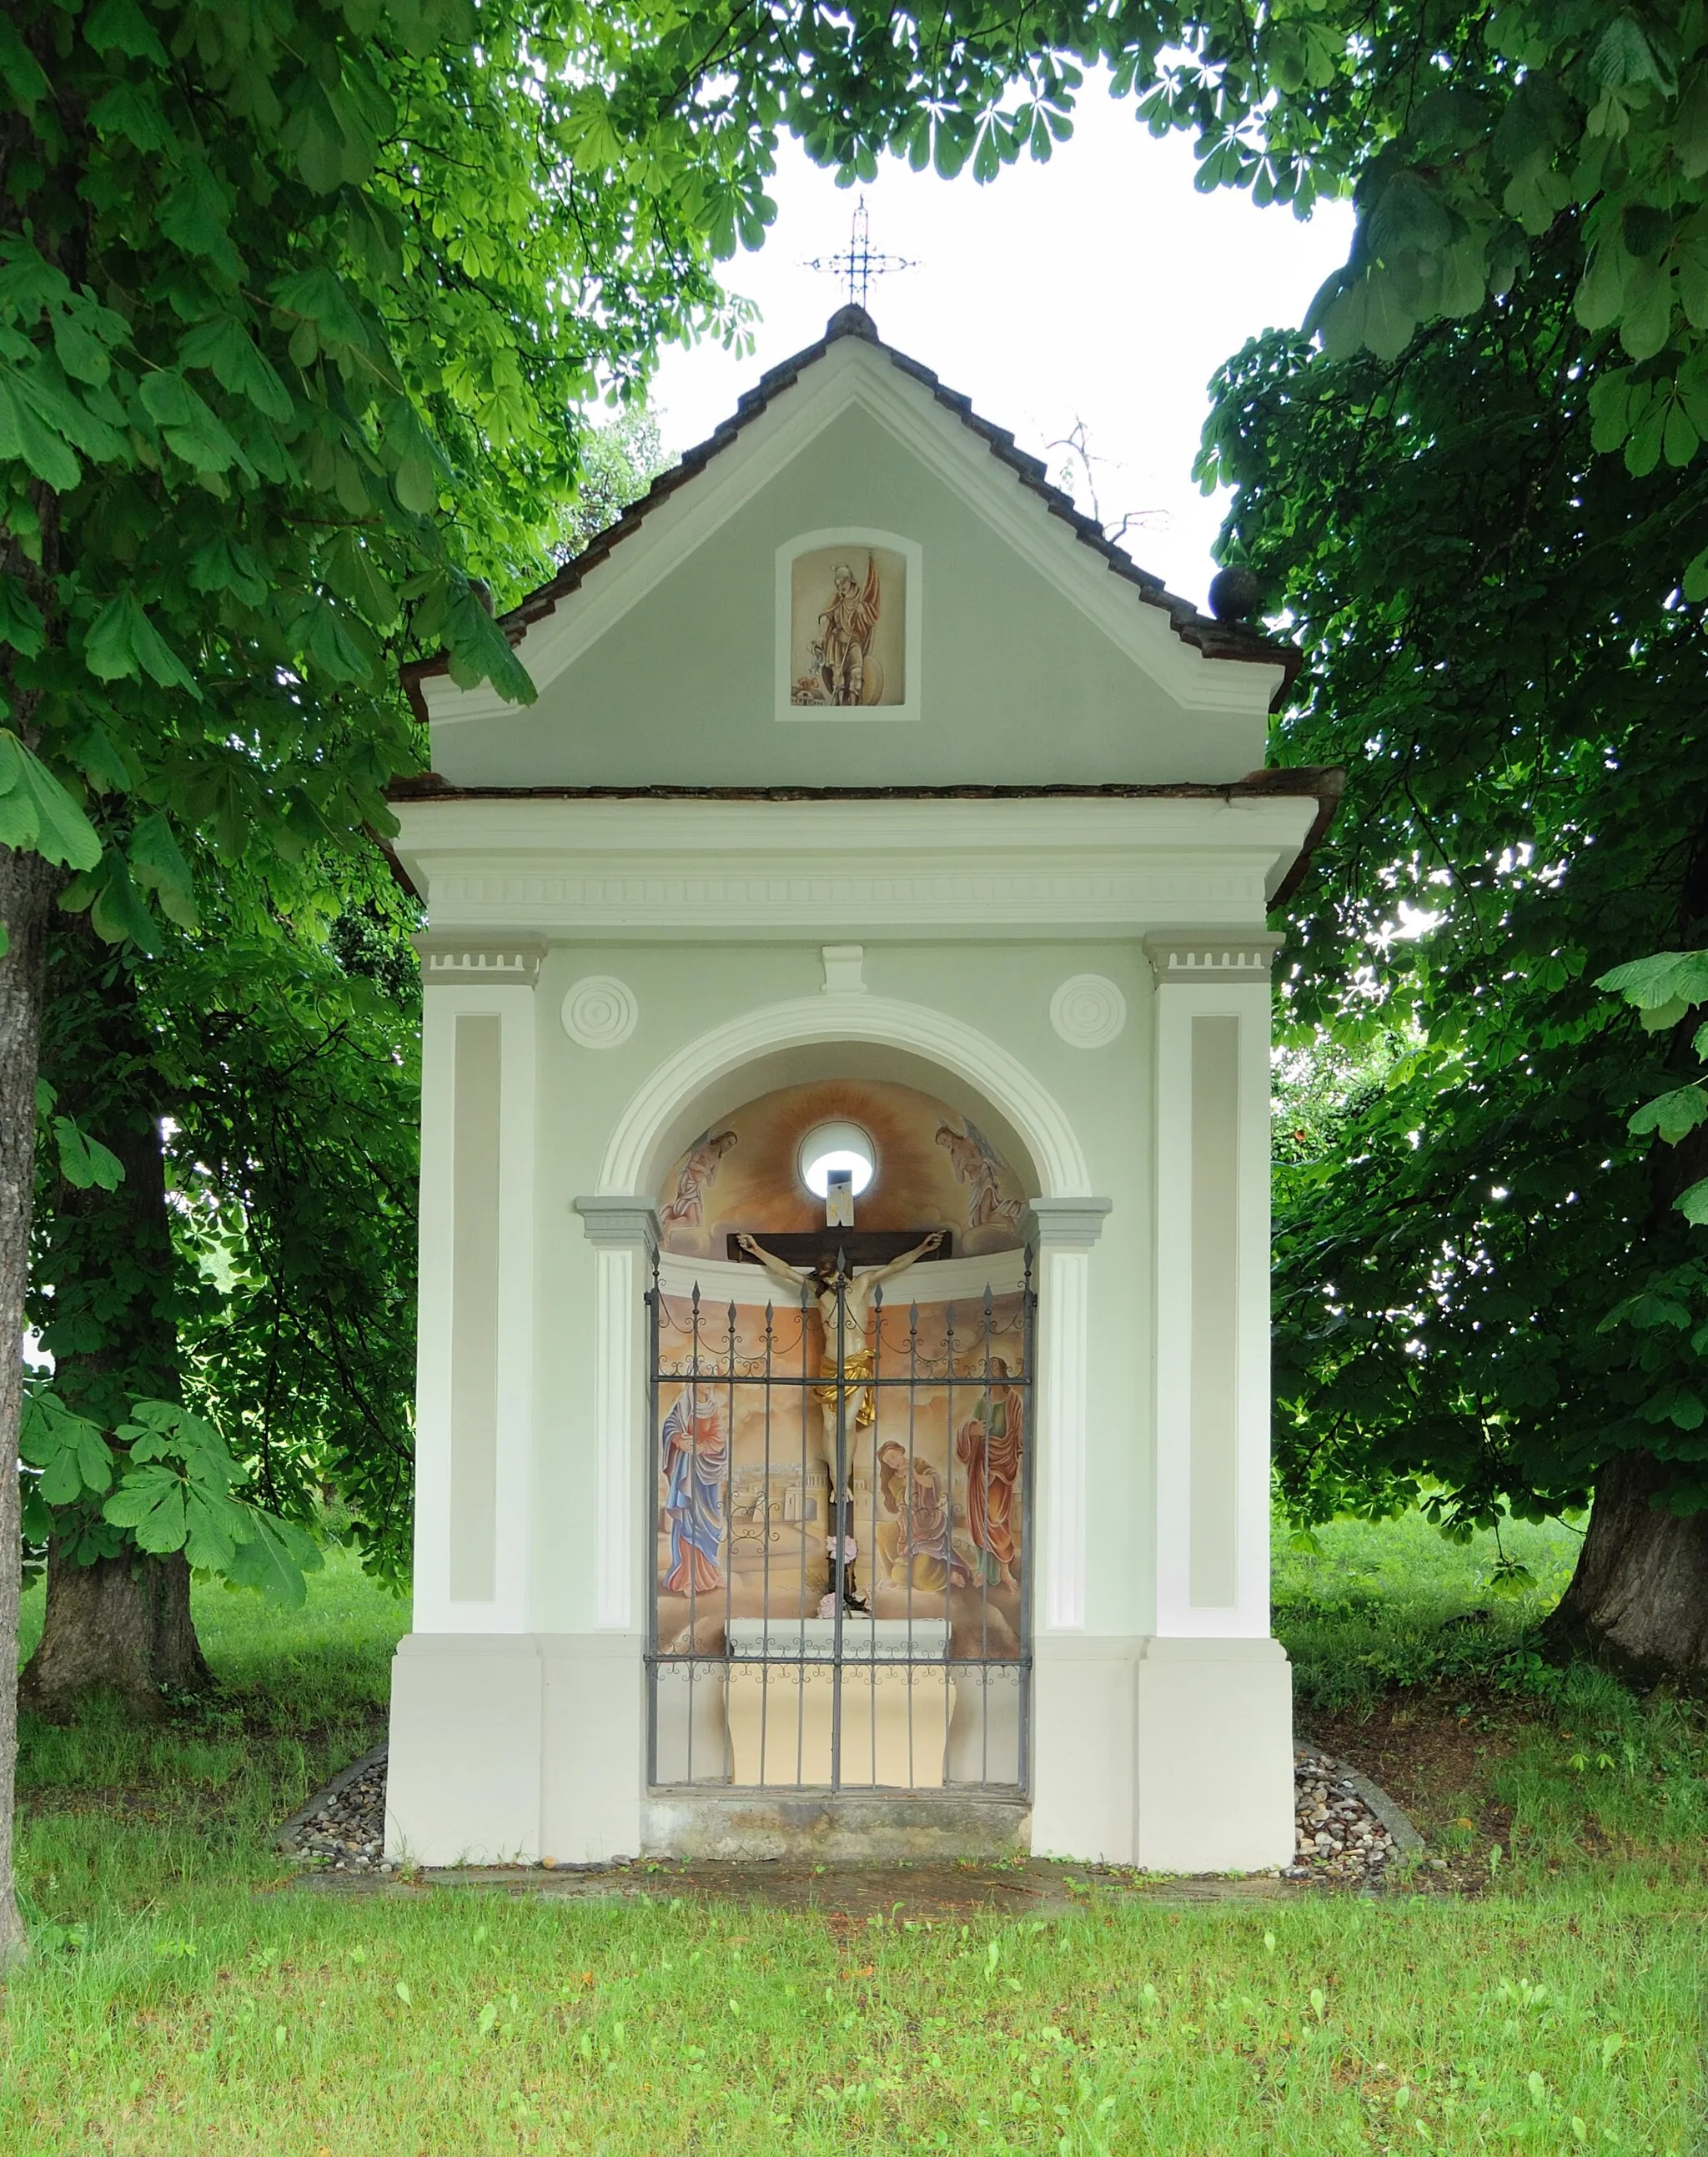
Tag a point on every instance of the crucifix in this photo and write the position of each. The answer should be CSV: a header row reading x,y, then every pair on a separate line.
x,y
860,261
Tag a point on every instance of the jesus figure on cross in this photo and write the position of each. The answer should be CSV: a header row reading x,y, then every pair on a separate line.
x,y
847,1298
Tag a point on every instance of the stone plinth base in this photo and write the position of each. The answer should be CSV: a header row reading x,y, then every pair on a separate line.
x,y
1214,1757
1175,1755
846,1828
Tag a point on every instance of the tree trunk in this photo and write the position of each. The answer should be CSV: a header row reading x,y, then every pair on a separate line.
x,y
120,1626
1639,1601
26,885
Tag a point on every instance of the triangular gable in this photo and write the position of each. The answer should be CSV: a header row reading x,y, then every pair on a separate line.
x,y
648,648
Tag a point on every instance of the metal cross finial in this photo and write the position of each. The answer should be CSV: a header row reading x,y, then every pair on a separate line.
x,y
860,262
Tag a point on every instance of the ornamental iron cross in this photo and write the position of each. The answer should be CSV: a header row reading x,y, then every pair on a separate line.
x,y
860,262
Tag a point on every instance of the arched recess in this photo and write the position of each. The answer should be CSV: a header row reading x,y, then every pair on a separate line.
x,y
849,1036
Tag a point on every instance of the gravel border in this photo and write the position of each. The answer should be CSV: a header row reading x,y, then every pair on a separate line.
x,y
288,1835
1407,1836
313,1836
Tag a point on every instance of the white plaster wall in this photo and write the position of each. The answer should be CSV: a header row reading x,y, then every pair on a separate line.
x,y
1004,990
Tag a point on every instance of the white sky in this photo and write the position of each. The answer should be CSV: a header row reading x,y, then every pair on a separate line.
x,y
1101,287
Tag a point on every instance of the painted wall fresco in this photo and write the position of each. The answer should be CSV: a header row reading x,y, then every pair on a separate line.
x,y
848,626
936,1169
936,1460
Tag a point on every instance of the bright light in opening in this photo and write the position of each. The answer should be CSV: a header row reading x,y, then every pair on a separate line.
x,y
831,1146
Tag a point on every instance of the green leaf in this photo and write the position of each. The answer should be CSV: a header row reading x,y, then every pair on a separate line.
x,y
68,1448
195,217
1667,977
118,912
1623,57
214,1527
122,643
121,26
30,283
274,1558
1693,1204
21,623
225,348
478,651
149,1502
414,483
159,867
23,437
1648,314
85,1162
81,353
222,563
189,426
1672,1115
1600,298
318,297
25,82
127,108
37,815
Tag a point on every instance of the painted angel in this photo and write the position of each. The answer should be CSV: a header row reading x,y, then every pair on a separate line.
x,y
705,1157
843,649
978,1165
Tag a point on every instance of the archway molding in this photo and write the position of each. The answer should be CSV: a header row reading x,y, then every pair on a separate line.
x,y
673,1104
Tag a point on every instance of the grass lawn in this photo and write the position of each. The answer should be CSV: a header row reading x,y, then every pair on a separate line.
x,y
184,1997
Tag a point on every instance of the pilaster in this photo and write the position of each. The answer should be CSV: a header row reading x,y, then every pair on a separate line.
x,y
475,1359
1063,1232
622,1230
1211,1267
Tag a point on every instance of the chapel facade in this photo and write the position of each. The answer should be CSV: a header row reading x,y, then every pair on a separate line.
x,y
843,1391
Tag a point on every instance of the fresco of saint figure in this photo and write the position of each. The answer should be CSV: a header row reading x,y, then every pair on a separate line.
x,y
695,1457
913,1546
700,1167
987,1445
847,633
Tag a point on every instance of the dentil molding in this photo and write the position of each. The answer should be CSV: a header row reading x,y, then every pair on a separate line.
x,y
1210,955
508,962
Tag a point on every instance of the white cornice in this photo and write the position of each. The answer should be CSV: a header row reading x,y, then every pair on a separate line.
x,y
853,375
829,869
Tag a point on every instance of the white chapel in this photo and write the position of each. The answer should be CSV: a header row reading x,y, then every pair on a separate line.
x,y
843,1419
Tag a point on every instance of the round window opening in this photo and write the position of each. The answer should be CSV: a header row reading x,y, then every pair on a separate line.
x,y
828,1147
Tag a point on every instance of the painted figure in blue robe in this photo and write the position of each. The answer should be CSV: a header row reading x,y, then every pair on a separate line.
x,y
695,1460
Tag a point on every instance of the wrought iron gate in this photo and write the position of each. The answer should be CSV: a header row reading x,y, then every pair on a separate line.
x,y
880,1644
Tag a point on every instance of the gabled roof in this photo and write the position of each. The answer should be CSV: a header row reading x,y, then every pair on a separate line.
x,y
1216,640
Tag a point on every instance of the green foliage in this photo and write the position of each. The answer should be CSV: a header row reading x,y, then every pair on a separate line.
x,y
1664,990
1482,1290
296,313
1368,1608
169,1480
262,1072
259,1080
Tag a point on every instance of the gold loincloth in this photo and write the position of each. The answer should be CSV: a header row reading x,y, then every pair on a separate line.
x,y
856,1366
